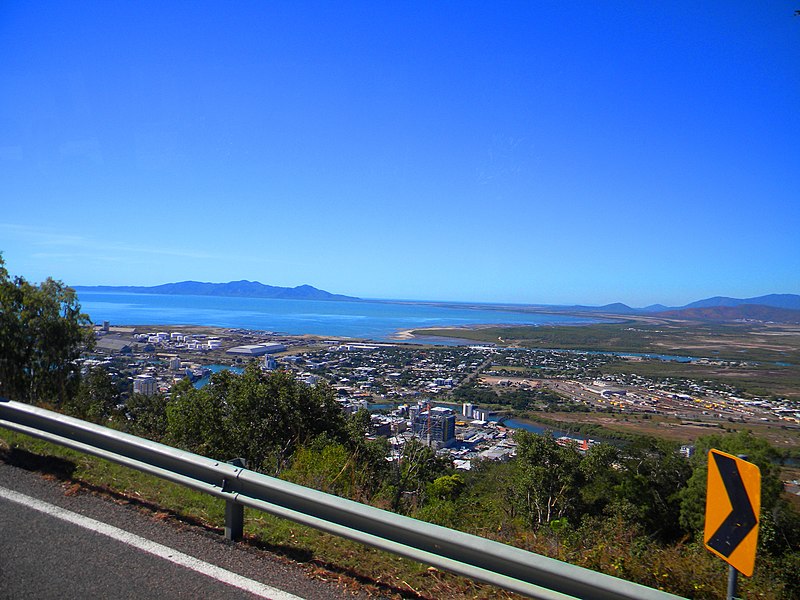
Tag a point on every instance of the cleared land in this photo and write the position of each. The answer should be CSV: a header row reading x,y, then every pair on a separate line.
x,y
668,427
767,356
754,379
734,341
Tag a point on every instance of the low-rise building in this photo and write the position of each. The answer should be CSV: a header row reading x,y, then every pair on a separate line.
x,y
256,349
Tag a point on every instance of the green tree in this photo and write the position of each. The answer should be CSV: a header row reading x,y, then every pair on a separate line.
x,y
601,473
195,418
652,474
548,479
416,467
145,416
42,333
358,426
488,497
369,454
260,417
97,397
331,466
324,465
447,487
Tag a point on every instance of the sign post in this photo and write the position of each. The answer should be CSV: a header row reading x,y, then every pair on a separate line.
x,y
733,505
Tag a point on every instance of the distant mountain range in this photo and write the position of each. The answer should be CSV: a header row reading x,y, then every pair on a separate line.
x,y
790,301
239,289
780,308
741,312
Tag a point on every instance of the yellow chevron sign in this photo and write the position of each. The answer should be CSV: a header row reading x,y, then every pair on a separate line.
x,y
733,505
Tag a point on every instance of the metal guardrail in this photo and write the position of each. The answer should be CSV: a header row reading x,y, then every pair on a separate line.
x,y
485,560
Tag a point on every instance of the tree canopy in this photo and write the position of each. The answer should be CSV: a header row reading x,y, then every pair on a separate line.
x,y
260,417
42,333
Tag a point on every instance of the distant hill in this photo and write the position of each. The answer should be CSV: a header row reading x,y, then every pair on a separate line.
x,y
655,308
741,312
240,289
790,301
617,308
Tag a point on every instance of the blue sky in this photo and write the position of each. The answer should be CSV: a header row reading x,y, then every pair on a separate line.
x,y
531,152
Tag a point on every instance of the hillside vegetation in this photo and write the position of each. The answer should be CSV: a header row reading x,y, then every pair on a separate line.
x,y
634,511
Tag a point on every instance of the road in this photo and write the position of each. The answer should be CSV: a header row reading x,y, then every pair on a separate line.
x,y
59,543
477,372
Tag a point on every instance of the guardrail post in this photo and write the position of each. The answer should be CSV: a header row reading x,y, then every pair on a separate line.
x,y
234,520
234,512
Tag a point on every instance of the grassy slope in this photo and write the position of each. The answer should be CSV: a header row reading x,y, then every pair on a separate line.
x,y
684,568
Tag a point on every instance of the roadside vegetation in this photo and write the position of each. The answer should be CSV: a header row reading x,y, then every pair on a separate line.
x,y
635,510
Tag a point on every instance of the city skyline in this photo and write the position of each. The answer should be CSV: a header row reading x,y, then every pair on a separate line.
x,y
504,152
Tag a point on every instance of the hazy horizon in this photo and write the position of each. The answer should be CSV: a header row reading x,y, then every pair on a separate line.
x,y
428,300
509,152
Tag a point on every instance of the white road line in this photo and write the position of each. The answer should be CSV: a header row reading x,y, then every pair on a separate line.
x,y
195,564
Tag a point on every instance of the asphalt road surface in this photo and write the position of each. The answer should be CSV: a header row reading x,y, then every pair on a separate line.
x,y
55,543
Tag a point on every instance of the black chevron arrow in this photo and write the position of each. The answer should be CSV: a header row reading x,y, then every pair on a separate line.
x,y
741,519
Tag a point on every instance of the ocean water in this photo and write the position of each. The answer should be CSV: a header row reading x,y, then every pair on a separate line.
x,y
373,320
204,381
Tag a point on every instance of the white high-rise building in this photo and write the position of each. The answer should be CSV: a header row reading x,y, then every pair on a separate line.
x,y
144,384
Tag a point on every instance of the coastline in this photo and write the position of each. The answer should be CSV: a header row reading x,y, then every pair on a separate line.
x,y
218,330
369,320
417,334
403,336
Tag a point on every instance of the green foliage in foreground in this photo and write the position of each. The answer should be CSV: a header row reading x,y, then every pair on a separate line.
x,y
605,505
633,511
42,332
260,417
557,483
